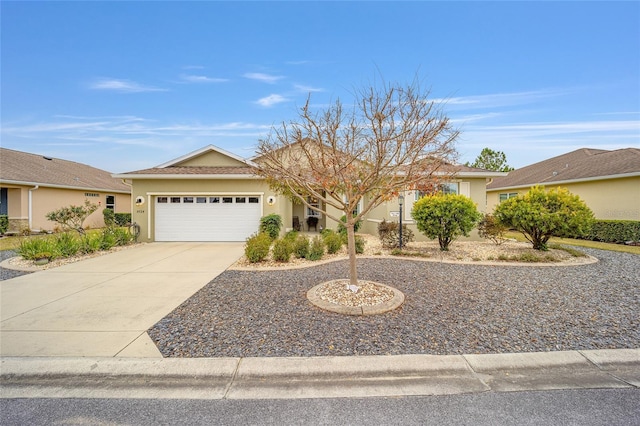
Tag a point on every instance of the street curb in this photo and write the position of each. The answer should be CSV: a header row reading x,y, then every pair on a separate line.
x,y
316,377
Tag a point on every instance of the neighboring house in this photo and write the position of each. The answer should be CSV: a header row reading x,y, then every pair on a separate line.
x,y
607,181
33,185
213,195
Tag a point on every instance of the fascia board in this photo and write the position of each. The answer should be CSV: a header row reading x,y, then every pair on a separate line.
x,y
186,177
563,182
53,185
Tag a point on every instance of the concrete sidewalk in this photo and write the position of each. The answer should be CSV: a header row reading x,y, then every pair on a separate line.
x,y
316,377
104,305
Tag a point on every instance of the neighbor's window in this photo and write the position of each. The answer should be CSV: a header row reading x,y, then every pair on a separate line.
x,y
110,202
507,196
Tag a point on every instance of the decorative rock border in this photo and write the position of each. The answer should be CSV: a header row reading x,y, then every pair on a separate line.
x,y
389,305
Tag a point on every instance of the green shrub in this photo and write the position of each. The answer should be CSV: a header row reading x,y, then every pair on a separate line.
x,y
301,247
257,246
90,243
341,225
122,219
108,239
539,215
613,231
271,225
445,217
389,233
333,242
291,236
109,218
281,250
31,248
123,236
359,244
490,228
66,245
316,250
4,223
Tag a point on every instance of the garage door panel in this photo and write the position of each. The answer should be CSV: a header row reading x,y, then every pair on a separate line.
x,y
206,221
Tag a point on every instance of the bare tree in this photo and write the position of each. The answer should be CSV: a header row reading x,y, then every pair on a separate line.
x,y
393,139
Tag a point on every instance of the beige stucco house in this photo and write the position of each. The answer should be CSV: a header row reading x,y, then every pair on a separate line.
x,y
214,195
33,185
607,181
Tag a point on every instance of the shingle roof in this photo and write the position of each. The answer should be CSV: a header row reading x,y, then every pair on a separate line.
x,y
193,170
581,164
26,168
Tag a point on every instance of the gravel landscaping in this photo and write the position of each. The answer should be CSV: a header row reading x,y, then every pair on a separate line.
x,y
449,309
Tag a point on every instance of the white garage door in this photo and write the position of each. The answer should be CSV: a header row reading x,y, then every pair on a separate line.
x,y
206,218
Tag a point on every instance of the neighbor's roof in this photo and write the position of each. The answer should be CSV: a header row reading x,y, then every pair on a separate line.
x,y
23,168
581,165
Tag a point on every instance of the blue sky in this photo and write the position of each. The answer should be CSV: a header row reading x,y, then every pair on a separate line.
x,y
129,85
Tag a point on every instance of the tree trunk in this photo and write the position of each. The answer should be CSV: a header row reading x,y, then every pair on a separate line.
x,y
351,248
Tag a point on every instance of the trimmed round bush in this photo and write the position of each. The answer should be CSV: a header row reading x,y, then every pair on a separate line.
x,y
257,247
316,250
281,251
301,247
359,244
445,217
333,242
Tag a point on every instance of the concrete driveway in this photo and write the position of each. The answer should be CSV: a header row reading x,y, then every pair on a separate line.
x,y
104,305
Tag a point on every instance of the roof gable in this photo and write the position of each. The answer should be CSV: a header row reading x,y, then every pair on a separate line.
x,y
581,164
31,169
209,156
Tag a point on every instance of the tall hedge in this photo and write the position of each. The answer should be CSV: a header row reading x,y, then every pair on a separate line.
x,y
614,231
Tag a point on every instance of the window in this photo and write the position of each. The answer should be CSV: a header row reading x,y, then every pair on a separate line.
x,y
110,202
214,200
175,199
241,199
163,200
507,196
449,188
254,200
227,199
201,200
313,201
443,188
188,200
359,206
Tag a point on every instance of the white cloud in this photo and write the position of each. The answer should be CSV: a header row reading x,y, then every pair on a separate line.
x,y
123,86
307,89
265,78
494,100
189,78
271,100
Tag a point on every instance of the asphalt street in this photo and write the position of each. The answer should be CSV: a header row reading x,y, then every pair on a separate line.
x,y
588,407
